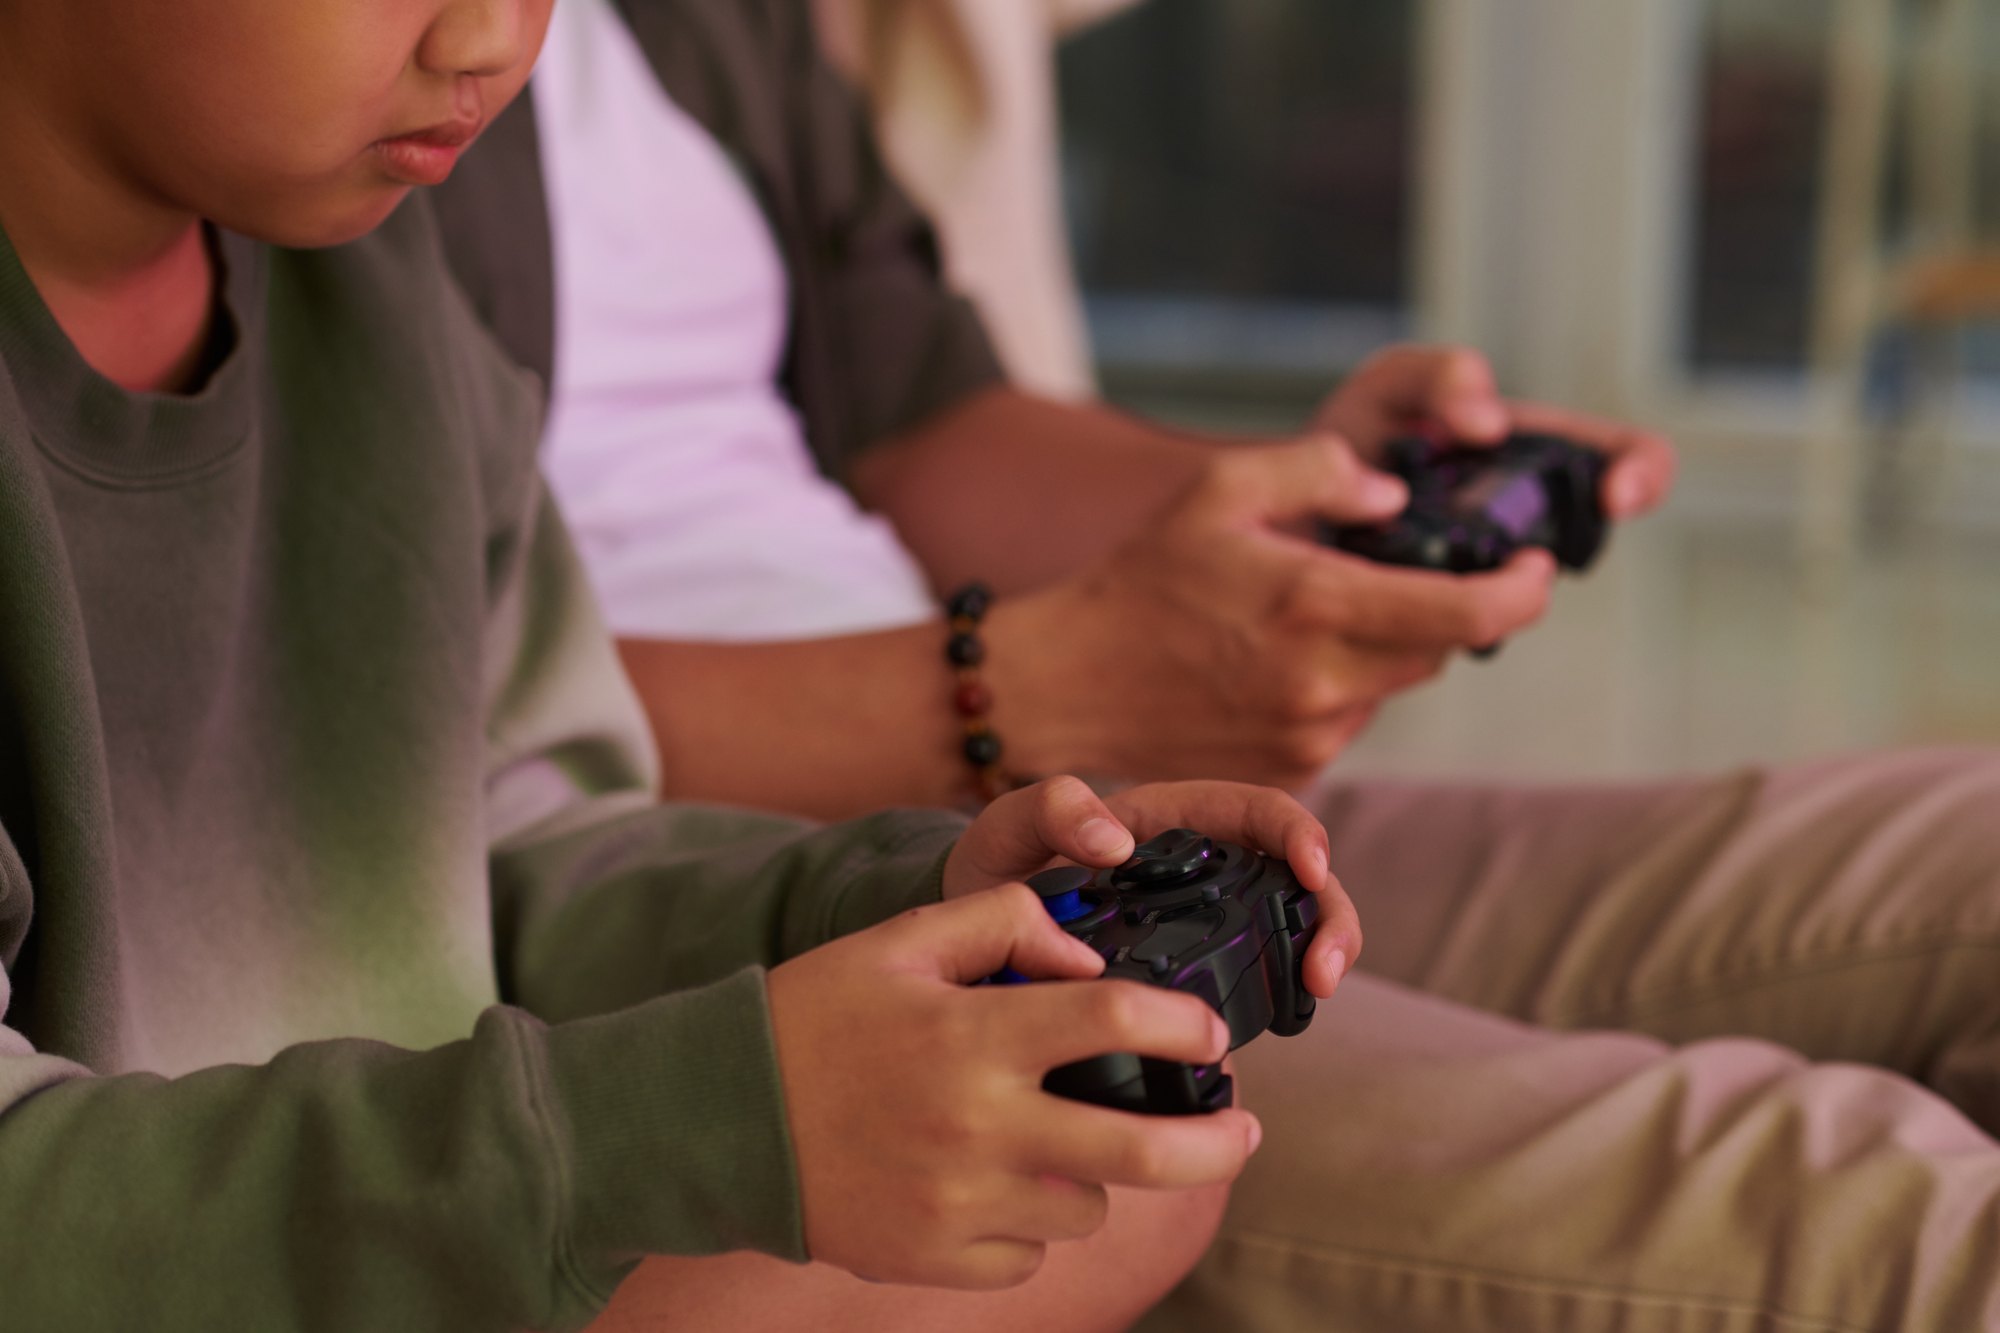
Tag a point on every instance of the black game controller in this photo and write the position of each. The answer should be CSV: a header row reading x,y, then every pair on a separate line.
x,y
1472,508
1191,914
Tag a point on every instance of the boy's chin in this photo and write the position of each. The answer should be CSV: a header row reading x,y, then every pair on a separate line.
x,y
350,219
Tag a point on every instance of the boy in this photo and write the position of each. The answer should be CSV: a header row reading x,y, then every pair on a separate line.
x,y
351,978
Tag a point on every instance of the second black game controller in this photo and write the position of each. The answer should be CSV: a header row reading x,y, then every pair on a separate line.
x,y
1191,914
1471,508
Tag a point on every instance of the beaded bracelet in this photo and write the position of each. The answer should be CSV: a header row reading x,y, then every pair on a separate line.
x,y
966,652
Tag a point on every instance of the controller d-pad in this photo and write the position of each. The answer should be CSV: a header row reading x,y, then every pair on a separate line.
x,y
1176,856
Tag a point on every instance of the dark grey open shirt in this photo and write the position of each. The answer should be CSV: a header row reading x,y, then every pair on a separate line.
x,y
877,343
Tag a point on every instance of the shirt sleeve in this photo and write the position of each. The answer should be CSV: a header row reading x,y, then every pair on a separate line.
x,y
505,1181
882,341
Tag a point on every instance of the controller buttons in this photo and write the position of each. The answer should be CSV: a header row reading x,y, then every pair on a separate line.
x,y
1177,937
1061,891
1174,857
1159,965
1211,896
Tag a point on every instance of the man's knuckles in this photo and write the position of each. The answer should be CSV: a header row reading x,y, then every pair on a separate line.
x,y
1305,749
1251,477
1304,694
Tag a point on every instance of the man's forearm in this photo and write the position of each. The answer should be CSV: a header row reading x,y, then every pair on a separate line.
x,y
831,728
1019,491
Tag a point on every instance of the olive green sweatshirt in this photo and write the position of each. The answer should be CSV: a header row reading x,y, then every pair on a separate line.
x,y
350,977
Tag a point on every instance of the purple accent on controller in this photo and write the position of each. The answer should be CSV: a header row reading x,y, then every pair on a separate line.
x,y
1472,508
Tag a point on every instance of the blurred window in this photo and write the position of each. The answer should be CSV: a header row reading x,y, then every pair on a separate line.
x,y
1240,182
1758,175
1763,107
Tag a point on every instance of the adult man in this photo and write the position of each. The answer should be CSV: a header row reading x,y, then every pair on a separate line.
x,y
1429,1165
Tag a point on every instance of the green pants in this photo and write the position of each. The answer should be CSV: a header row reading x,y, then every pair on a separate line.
x,y
1717,1055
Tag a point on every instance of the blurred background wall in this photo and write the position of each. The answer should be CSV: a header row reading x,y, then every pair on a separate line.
x,y
1766,226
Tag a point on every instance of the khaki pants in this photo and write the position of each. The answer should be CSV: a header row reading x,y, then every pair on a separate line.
x,y
1718,1055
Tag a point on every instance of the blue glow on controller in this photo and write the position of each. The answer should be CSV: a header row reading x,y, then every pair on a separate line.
x,y
1067,906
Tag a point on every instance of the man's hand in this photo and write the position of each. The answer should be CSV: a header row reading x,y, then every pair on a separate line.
x,y
1165,610
1025,831
1454,387
927,1151
1224,641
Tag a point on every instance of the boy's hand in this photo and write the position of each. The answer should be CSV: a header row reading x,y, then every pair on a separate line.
x,y
1025,831
927,1151
1454,386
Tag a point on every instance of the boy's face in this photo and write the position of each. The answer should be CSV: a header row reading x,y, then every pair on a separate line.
x,y
301,122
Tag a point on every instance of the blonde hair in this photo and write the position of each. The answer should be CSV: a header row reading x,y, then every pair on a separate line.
x,y
894,48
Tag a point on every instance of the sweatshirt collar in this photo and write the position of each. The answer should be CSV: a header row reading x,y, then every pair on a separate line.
x,y
120,436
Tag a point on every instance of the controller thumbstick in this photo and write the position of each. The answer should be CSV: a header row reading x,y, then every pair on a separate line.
x,y
1062,889
1175,857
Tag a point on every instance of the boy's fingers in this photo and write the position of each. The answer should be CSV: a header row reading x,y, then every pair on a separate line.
x,y
1053,1025
1048,1208
1261,817
994,1265
1419,608
975,937
1093,1143
1024,830
1336,941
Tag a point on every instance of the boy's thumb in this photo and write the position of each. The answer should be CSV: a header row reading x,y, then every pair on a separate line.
x,y
980,936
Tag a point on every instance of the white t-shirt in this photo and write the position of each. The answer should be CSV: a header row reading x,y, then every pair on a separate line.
x,y
679,464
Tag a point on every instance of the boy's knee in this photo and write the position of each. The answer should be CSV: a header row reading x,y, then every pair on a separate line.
x,y
1158,1238
1152,1240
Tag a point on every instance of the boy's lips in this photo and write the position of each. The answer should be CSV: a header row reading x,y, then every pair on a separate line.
x,y
426,157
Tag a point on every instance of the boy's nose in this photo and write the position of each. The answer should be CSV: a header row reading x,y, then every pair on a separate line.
x,y
483,38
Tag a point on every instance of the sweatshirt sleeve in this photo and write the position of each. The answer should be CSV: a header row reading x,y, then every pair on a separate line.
x,y
604,898
502,1182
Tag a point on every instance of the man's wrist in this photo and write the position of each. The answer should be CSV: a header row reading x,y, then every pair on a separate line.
x,y
1036,670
